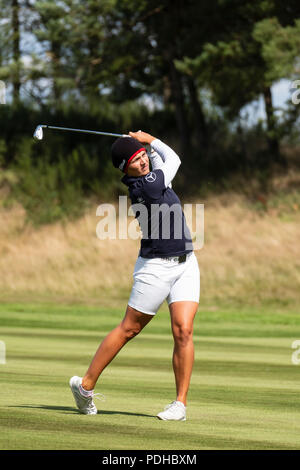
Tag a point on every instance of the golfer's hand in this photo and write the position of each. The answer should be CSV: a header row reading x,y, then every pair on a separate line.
x,y
142,137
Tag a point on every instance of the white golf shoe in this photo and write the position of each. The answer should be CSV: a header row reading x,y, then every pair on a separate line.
x,y
175,411
84,404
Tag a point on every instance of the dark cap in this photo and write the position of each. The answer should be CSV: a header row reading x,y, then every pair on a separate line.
x,y
123,150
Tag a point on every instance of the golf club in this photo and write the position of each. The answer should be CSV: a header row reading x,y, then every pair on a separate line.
x,y
38,133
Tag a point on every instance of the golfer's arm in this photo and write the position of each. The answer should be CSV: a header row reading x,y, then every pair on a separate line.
x,y
166,160
156,160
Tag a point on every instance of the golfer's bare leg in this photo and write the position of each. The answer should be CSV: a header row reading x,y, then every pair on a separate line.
x,y
182,319
133,322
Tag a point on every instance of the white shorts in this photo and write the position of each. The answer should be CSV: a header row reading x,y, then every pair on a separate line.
x,y
157,279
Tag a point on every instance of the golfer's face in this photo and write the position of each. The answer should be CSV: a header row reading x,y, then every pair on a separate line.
x,y
139,165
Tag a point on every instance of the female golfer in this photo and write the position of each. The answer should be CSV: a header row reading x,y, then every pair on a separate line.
x,y
166,268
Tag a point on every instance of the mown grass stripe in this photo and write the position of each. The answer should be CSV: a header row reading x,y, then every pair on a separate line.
x,y
243,391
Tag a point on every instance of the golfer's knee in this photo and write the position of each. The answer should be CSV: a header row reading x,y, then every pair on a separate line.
x,y
183,335
130,331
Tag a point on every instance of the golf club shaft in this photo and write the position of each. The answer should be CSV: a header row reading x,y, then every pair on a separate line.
x,y
82,130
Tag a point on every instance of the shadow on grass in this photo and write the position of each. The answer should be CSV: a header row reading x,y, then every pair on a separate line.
x,y
71,410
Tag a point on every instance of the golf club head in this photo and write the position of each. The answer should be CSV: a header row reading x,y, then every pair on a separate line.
x,y
38,133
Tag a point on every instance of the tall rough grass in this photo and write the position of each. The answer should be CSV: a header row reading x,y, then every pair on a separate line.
x,y
249,256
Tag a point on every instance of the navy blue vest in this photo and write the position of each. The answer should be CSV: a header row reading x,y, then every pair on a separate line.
x,y
160,216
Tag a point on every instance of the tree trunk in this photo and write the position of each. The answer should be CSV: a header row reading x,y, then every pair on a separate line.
x,y
55,58
271,125
181,117
16,51
246,161
200,123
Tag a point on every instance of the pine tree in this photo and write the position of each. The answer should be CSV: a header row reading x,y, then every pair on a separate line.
x,y
234,62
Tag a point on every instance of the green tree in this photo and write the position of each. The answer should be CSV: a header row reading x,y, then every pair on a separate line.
x,y
15,24
10,41
153,35
234,62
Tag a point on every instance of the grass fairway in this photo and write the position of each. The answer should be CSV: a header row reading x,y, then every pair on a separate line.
x,y
244,392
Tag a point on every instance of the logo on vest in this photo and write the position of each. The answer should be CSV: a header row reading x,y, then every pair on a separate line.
x,y
151,177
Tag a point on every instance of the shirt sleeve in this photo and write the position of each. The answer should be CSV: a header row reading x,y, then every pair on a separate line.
x,y
169,160
156,160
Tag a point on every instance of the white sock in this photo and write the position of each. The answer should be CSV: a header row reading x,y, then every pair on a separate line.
x,y
85,393
177,401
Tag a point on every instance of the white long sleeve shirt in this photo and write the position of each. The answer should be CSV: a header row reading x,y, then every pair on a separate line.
x,y
164,158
